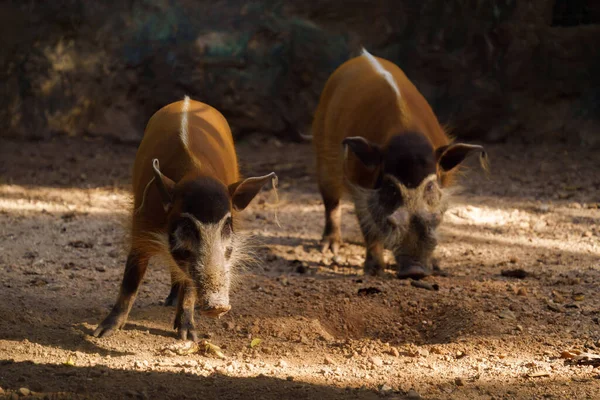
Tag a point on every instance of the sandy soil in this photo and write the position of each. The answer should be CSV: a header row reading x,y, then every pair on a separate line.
x,y
482,335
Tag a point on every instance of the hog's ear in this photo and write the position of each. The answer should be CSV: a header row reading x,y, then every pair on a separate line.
x,y
448,157
165,186
368,153
242,192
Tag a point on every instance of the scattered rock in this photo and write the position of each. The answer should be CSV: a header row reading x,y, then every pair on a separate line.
x,y
522,291
459,382
338,260
567,355
100,269
394,352
30,255
24,392
558,298
585,359
282,364
518,273
376,361
554,307
578,296
369,291
538,373
38,281
141,364
80,244
329,361
425,285
507,314
113,254
412,394
229,325
520,328
385,389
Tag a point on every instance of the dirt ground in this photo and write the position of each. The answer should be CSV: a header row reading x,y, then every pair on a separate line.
x,y
482,335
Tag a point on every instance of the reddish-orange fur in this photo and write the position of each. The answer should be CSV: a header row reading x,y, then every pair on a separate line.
x,y
358,101
210,152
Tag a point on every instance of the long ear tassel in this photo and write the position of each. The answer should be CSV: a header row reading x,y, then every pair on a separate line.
x,y
484,161
139,209
274,183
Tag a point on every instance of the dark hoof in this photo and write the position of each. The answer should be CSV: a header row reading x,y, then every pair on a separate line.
x,y
171,299
186,330
437,271
372,268
113,322
414,271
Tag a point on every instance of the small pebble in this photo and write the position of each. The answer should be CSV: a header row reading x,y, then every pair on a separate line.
x,y
329,361
338,260
24,392
459,382
376,361
282,364
385,388
394,352
413,395
554,307
522,292
507,314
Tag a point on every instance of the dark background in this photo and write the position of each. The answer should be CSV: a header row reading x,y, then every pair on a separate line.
x,y
493,69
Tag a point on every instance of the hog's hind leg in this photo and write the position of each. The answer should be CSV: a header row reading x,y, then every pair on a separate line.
x,y
135,268
171,299
332,233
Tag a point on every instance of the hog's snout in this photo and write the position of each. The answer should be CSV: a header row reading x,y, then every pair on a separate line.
x,y
215,312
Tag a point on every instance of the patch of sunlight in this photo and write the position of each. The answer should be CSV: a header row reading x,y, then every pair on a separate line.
x,y
15,199
525,241
494,217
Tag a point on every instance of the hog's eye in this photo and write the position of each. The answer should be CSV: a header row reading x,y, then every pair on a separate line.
x,y
430,187
227,228
431,193
390,197
181,255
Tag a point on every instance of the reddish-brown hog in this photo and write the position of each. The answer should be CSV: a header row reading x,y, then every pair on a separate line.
x,y
376,137
187,191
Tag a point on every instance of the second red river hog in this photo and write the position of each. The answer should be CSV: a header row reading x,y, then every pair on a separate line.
x,y
376,137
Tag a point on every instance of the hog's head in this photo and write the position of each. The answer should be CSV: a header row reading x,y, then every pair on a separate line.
x,y
202,240
407,201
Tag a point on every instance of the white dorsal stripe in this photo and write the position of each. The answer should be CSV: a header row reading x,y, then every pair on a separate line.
x,y
183,133
382,71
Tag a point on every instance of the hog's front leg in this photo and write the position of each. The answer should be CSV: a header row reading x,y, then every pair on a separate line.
x,y
184,318
374,261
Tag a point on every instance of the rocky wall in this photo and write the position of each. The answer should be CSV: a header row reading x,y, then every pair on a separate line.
x,y
492,69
